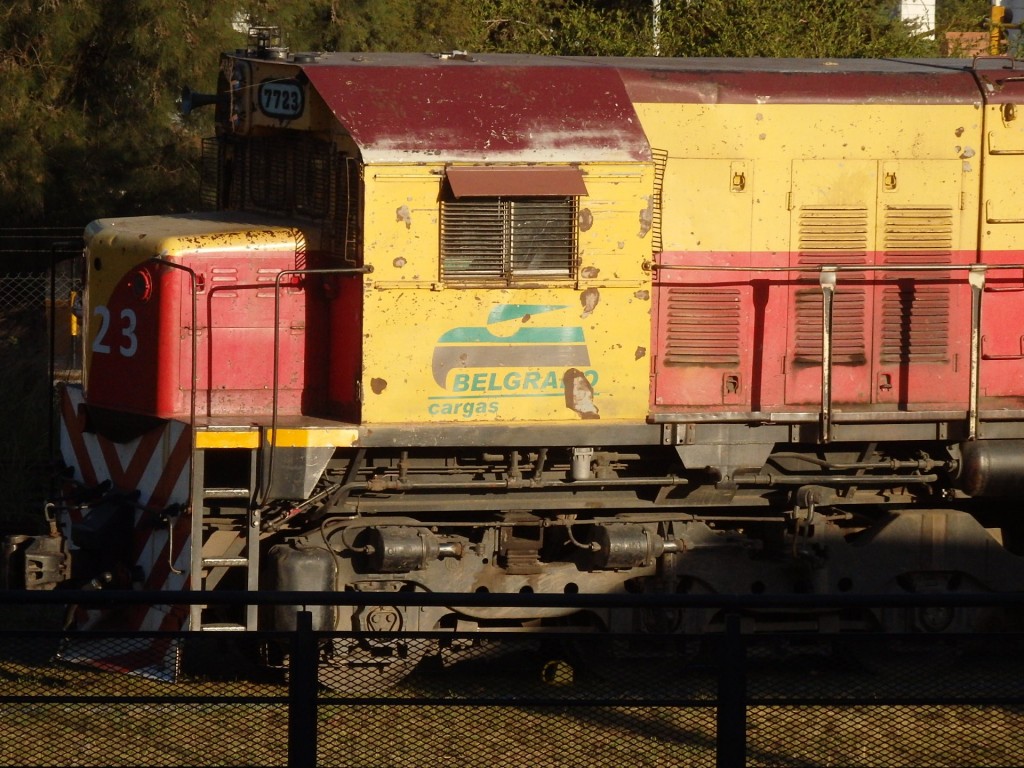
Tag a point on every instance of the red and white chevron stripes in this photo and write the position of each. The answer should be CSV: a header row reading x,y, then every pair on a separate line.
x,y
156,464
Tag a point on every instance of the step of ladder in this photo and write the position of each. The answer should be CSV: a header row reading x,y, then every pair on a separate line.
x,y
222,627
225,562
226,493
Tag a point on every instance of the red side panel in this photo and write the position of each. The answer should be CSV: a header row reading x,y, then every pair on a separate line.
x,y
346,338
152,372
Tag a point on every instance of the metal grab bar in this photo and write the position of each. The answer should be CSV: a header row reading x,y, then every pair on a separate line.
x,y
189,505
827,280
834,268
976,277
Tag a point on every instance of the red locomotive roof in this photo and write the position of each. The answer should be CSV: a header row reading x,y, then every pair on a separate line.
x,y
803,81
497,109
508,107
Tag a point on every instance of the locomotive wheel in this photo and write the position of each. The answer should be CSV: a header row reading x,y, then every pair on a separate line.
x,y
617,657
360,667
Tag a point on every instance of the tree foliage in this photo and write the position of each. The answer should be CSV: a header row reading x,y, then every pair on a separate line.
x,y
815,28
89,121
90,87
962,15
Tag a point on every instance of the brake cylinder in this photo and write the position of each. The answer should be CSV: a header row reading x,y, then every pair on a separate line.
x,y
400,549
624,546
992,467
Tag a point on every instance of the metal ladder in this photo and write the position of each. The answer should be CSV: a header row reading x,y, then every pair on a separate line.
x,y
229,543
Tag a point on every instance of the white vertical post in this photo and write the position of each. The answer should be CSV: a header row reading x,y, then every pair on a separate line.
x,y
921,13
656,25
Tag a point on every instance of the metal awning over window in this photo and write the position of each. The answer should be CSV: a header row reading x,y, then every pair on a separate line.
x,y
515,181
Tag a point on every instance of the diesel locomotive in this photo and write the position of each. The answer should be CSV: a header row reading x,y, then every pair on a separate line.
x,y
515,324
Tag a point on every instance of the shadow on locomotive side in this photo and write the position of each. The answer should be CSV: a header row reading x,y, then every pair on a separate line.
x,y
524,325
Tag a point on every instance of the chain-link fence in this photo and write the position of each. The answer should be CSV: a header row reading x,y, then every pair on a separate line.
x,y
39,343
29,291
40,281
40,277
308,698
38,313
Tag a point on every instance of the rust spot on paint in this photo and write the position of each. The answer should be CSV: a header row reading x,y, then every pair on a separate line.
x,y
589,299
640,352
579,394
643,295
646,218
525,318
959,132
404,214
589,273
585,219
378,385
399,262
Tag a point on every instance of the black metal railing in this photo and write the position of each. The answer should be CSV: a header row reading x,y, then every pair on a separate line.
x,y
304,697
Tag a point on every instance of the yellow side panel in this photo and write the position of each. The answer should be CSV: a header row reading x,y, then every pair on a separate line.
x,y
878,188
552,350
1003,213
503,355
401,226
707,202
710,145
1002,241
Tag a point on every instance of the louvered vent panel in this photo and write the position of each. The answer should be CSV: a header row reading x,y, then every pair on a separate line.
x,y
223,281
210,193
832,236
703,327
342,236
278,175
288,175
508,238
473,238
542,236
915,311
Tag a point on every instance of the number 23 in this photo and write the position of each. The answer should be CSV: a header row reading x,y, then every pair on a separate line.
x,y
129,341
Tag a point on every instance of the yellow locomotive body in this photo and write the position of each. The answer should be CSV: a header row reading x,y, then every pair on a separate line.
x,y
516,324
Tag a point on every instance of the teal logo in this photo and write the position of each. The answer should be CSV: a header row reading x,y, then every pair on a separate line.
x,y
481,369
528,347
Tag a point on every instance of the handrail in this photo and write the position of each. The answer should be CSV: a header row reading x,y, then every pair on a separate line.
x,y
751,601
976,277
650,265
193,280
827,279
